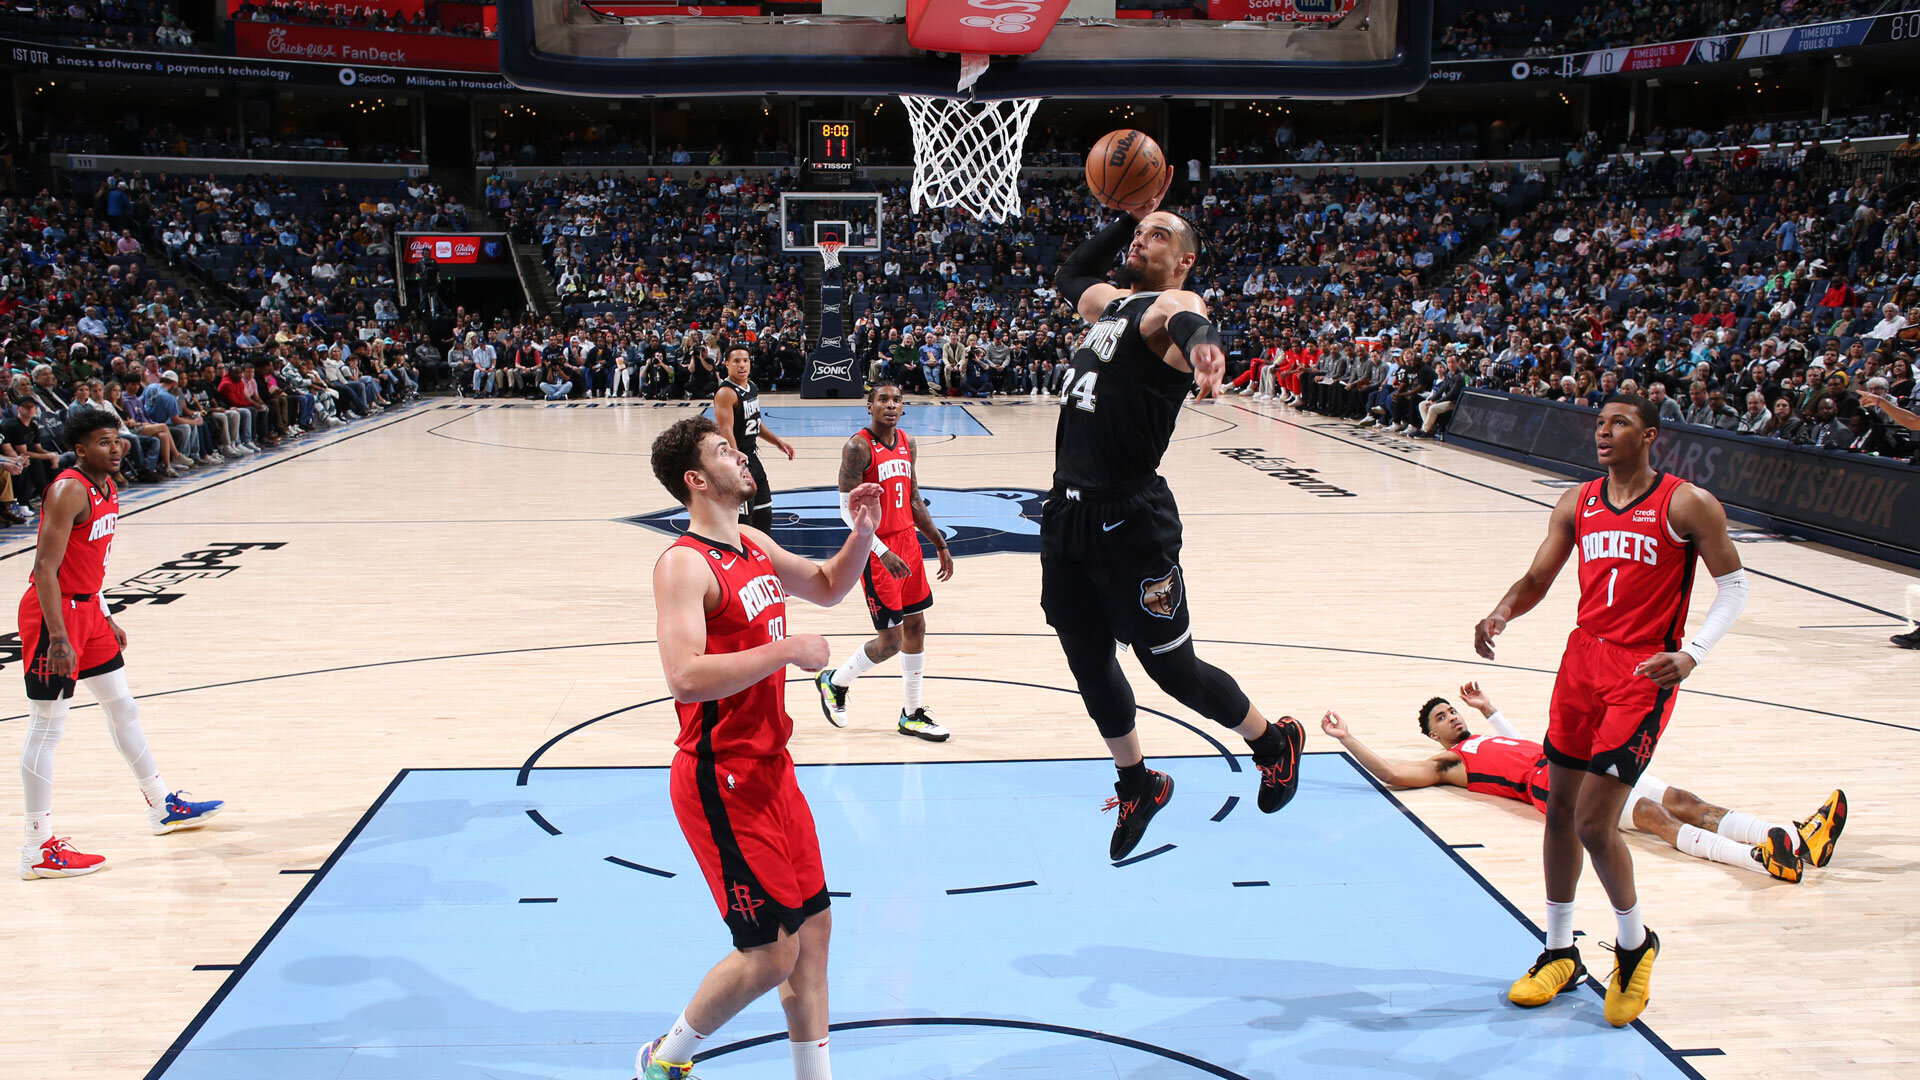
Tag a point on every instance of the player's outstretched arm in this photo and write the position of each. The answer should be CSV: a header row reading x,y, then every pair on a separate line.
x,y
1082,277
684,590
1697,516
776,441
1533,585
1400,774
824,583
854,459
1179,317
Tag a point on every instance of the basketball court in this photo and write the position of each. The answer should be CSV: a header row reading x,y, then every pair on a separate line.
x,y
434,706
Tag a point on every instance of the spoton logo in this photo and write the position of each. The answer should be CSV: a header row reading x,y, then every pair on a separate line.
x,y
975,521
348,76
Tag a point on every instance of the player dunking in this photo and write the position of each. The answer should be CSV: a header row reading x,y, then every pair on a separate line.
x,y
895,580
1110,532
67,635
1637,532
1511,766
736,409
721,592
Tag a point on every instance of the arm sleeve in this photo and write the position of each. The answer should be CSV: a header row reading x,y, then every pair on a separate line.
x,y
1089,263
1502,726
846,515
1728,603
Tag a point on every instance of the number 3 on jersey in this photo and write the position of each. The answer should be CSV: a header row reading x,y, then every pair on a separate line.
x,y
1081,392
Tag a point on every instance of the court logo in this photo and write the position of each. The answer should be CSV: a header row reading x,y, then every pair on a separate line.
x,y
974,521
1160,597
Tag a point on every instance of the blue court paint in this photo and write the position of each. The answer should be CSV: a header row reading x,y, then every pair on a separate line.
x,y
1372,951
840,421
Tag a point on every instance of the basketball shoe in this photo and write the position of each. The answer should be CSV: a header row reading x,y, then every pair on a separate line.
x,y
1280,773
650,1068
1823,828
1777,854
178,812
921,726
1628,988
56,858
833,699
1136,812
1556,972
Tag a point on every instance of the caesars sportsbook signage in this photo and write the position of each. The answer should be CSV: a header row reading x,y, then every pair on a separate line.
x,y
1855,496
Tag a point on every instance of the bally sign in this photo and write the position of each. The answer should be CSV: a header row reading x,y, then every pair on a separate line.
x,y
375,48
451,248
983,27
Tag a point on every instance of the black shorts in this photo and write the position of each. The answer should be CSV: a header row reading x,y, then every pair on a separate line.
x,y
758,510
1111,566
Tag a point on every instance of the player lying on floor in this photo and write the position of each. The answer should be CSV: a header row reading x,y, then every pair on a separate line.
x,y
1506,764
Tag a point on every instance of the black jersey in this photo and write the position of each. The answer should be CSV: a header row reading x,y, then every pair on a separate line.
x,y
1120,404
746,417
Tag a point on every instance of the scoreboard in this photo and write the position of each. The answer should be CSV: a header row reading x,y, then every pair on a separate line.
x,y
831,146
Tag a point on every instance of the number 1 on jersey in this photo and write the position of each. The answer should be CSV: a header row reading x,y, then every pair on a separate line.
x,y
1611,575
1082,391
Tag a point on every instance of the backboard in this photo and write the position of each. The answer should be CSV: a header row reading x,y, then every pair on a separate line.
x,y
1247,49
806,218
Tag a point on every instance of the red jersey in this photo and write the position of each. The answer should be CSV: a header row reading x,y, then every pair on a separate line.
x,y
892,468
752,612
1636,574
1497,765
83,567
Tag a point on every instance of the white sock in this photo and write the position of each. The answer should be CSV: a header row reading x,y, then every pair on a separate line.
x,y
1559,925
1633,932
810,1060
154,790
680,1043
911,666
1702,844
1747,829
39,827
856,665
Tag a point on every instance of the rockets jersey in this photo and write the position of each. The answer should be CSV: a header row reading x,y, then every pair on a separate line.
x,y
891,468
1120,404
1497,765
83,567
752,612
1636,574
746,417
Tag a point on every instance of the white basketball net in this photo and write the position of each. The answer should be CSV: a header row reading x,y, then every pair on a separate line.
x,y
830,253
967,154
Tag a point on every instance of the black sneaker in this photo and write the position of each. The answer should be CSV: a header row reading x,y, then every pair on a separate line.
x,y
1280,774
1909,640
1136,812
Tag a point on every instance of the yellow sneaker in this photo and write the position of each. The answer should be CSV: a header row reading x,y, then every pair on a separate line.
x,y
1556,972
1628,986
1823,828
1779,856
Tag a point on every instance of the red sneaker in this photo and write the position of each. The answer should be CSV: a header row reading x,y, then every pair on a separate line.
x,y
56,858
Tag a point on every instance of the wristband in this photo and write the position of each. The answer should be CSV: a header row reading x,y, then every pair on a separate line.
x,y
1188,329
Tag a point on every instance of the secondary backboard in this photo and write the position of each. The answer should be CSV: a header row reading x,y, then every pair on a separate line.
x,y
807,218
1248,49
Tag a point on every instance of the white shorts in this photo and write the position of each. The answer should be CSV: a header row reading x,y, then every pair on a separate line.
x,y
1651,788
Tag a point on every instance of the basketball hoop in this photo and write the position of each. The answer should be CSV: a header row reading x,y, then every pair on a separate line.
x,y
966,153
830,254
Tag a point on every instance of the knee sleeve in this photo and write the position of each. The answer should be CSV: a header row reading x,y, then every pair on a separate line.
x,y
123,720
1198,685
46,720
1104,689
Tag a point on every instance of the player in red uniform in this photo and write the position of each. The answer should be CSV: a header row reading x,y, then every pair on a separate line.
x,y
895,579
1637,532
66,634
720,592
1513,767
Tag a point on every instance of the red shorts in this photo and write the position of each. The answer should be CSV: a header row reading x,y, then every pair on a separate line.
x,y
1604,719
95,651
889,599
752,834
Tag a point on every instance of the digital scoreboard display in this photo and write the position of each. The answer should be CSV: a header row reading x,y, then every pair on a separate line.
x,y
832,146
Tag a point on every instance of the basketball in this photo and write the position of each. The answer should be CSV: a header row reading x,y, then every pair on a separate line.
x,y
1125,169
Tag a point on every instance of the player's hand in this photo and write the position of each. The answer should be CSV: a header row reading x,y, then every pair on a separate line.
x,y
946,565
1871,400
1484,632
863,505
1166,185
1209,369
895,565
1334,726
808,652
787,448
1476,697
119,635
1667,668
61,662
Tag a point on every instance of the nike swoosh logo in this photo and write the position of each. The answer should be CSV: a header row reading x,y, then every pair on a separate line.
x,y
1109,528
728,565
1590,513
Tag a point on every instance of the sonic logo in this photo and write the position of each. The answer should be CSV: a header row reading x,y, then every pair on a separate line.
x,y
1160,597
975,521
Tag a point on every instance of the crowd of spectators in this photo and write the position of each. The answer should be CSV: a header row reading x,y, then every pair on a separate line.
x,y
108,24
425,20
1478,31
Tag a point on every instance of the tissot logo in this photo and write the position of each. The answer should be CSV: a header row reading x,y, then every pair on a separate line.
x,y
975,521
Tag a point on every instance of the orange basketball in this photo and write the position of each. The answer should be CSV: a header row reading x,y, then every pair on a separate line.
x,y
1125,169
